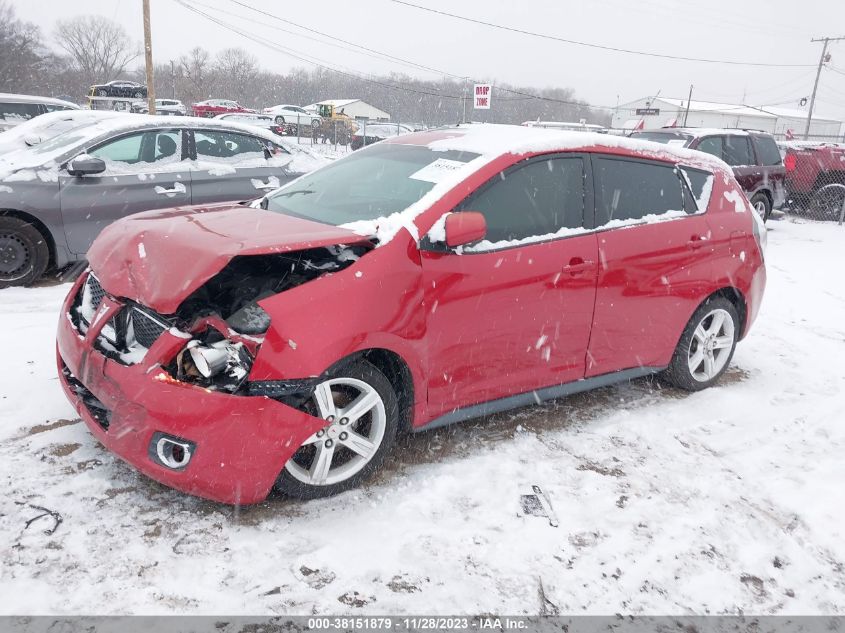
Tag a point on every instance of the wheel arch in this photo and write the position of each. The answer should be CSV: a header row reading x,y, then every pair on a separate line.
x,y
398,373
736,298
39,226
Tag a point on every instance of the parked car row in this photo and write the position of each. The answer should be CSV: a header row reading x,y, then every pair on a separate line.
x,y
592,262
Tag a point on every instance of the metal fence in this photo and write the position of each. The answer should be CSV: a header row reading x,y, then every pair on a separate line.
x,y
815,179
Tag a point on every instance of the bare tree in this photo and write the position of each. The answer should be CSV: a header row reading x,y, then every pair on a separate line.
x,y
237,71
99,49
196,76
22,55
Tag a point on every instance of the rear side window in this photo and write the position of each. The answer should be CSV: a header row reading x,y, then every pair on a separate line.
x,y
538,198
19,112
630,190
226,144
767,150
737,151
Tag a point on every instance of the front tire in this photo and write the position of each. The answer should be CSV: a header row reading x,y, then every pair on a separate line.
x,y
280,120
362,417
706,346
762,206
24,253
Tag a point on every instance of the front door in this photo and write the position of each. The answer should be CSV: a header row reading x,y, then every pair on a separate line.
x,y
513,312
144,170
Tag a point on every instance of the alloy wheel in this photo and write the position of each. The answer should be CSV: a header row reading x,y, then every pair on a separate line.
x,y
356,423
711,345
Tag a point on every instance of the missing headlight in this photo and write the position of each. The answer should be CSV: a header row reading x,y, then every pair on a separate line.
x,y
213,362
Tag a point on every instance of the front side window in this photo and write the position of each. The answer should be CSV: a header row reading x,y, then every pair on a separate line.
x,y
535,199
631,190
212,144
142,147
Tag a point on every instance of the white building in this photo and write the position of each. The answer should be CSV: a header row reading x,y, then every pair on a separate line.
x,y
354,108
656,112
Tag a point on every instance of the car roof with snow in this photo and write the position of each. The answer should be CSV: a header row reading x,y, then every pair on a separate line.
x,y
16,98
490,140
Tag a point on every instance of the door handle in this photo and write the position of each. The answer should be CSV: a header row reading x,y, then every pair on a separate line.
x,y
696,241
178,187
272,183
578,265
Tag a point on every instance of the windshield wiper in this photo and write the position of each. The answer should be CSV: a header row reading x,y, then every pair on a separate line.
x,y
295,191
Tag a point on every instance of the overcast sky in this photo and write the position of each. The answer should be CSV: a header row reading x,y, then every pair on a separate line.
x,y
770,31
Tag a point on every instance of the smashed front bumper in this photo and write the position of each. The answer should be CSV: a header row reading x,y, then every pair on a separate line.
x,y
238,444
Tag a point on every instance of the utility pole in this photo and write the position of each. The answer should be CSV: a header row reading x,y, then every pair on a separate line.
x,y
173,77
822,60
148,56
686,112
464,100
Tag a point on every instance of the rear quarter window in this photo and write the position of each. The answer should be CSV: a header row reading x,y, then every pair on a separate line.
x,y
767,150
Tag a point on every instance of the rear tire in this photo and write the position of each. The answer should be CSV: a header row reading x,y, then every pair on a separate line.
x,y
280,120
24,254
762,206
372,433
706,347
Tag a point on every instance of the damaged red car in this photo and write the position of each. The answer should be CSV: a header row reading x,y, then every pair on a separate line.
x,y
228,350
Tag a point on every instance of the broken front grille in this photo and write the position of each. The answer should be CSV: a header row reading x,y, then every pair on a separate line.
x,y
95,408
87,301
128,335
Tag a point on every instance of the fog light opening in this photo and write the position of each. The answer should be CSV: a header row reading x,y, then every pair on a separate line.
x,y
172,453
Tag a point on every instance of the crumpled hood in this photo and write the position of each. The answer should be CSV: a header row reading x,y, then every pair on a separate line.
x,y
158,258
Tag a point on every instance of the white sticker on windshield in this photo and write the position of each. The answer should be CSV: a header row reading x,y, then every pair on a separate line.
x,y
438,170
677,142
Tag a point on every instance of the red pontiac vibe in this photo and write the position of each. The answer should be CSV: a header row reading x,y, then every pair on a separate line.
x,y
227,350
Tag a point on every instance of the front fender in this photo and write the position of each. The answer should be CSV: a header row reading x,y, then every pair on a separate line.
x,y
374,303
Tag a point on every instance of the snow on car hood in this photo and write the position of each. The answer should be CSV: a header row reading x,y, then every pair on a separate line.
x,y
158,258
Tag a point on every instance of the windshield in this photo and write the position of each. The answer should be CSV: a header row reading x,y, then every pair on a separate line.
x,y
662,137
371,183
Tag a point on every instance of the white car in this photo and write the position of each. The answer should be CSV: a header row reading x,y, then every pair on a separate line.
x,y
172,107
264,121
16,109
292,114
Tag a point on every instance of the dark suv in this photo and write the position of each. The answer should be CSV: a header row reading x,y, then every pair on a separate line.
x,y
753,155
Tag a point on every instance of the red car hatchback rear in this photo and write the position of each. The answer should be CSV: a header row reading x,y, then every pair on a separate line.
x,y
428,279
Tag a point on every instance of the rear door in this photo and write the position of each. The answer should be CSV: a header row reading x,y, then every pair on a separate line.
x,y
234,166
144,170
512,313
654,262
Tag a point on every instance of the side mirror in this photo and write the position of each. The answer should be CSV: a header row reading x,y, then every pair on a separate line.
x,y
465,227
84,164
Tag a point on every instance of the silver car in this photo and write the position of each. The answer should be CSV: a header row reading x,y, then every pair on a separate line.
x,y
57,196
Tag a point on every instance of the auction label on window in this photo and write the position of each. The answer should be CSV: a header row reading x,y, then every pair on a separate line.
x,y
438,170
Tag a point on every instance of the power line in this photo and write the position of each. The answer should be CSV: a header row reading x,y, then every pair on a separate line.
x,y
599,46
521,95
301,56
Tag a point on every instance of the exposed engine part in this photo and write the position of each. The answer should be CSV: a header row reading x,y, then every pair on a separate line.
x,y
233,293
213,362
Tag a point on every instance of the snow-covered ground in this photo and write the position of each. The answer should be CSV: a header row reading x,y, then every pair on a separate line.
x,y
722,501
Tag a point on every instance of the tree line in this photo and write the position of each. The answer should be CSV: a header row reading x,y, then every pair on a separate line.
x,y
93,49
